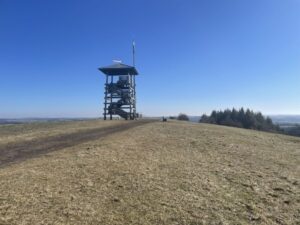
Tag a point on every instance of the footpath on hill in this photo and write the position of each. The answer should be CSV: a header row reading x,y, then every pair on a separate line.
x,y
22,150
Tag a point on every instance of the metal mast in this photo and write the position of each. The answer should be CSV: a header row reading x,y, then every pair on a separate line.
x,y
133,53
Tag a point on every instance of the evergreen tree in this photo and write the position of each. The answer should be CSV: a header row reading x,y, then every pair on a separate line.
x,y
241,118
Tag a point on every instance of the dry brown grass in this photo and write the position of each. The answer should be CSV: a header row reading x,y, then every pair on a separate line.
x,y
159,173
30,131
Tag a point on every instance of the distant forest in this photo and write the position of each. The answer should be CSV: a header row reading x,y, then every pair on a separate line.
x,y
249,120
293,129
241,118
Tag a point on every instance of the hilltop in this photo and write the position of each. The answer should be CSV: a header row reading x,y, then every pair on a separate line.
x,y
96,172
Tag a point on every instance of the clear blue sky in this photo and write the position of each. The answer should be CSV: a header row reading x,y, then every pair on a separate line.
x,y
193,56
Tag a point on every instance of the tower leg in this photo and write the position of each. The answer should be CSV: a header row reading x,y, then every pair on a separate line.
x,y
105,100
111,81
131,95
134,95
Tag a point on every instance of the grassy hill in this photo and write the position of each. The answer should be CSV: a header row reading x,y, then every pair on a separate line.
x,y
154,173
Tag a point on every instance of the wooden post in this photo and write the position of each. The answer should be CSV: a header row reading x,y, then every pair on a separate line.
x,y
130,95
111,81
134,98
105,98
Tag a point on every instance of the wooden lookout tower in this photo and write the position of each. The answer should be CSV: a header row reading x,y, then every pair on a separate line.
x,y
120,95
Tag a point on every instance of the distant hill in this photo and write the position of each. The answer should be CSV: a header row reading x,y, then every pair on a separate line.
x,y
194,118
281,119
32,120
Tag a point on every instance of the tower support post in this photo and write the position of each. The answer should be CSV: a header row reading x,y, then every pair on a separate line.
x,y
111,97
130,95
134,97
105,97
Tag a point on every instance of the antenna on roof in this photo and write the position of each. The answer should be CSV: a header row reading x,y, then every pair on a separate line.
x,y
133,53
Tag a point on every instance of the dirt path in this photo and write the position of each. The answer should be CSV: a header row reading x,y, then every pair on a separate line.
x,y
19,151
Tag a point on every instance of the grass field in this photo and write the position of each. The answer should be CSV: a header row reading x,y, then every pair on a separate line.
x,y
153,173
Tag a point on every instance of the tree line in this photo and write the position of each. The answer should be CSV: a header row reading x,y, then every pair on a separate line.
x,y
241,118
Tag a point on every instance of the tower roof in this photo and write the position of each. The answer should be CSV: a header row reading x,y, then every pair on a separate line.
x,y
119,69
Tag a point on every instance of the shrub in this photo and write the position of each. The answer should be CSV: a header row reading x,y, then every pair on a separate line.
x,y
183,116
